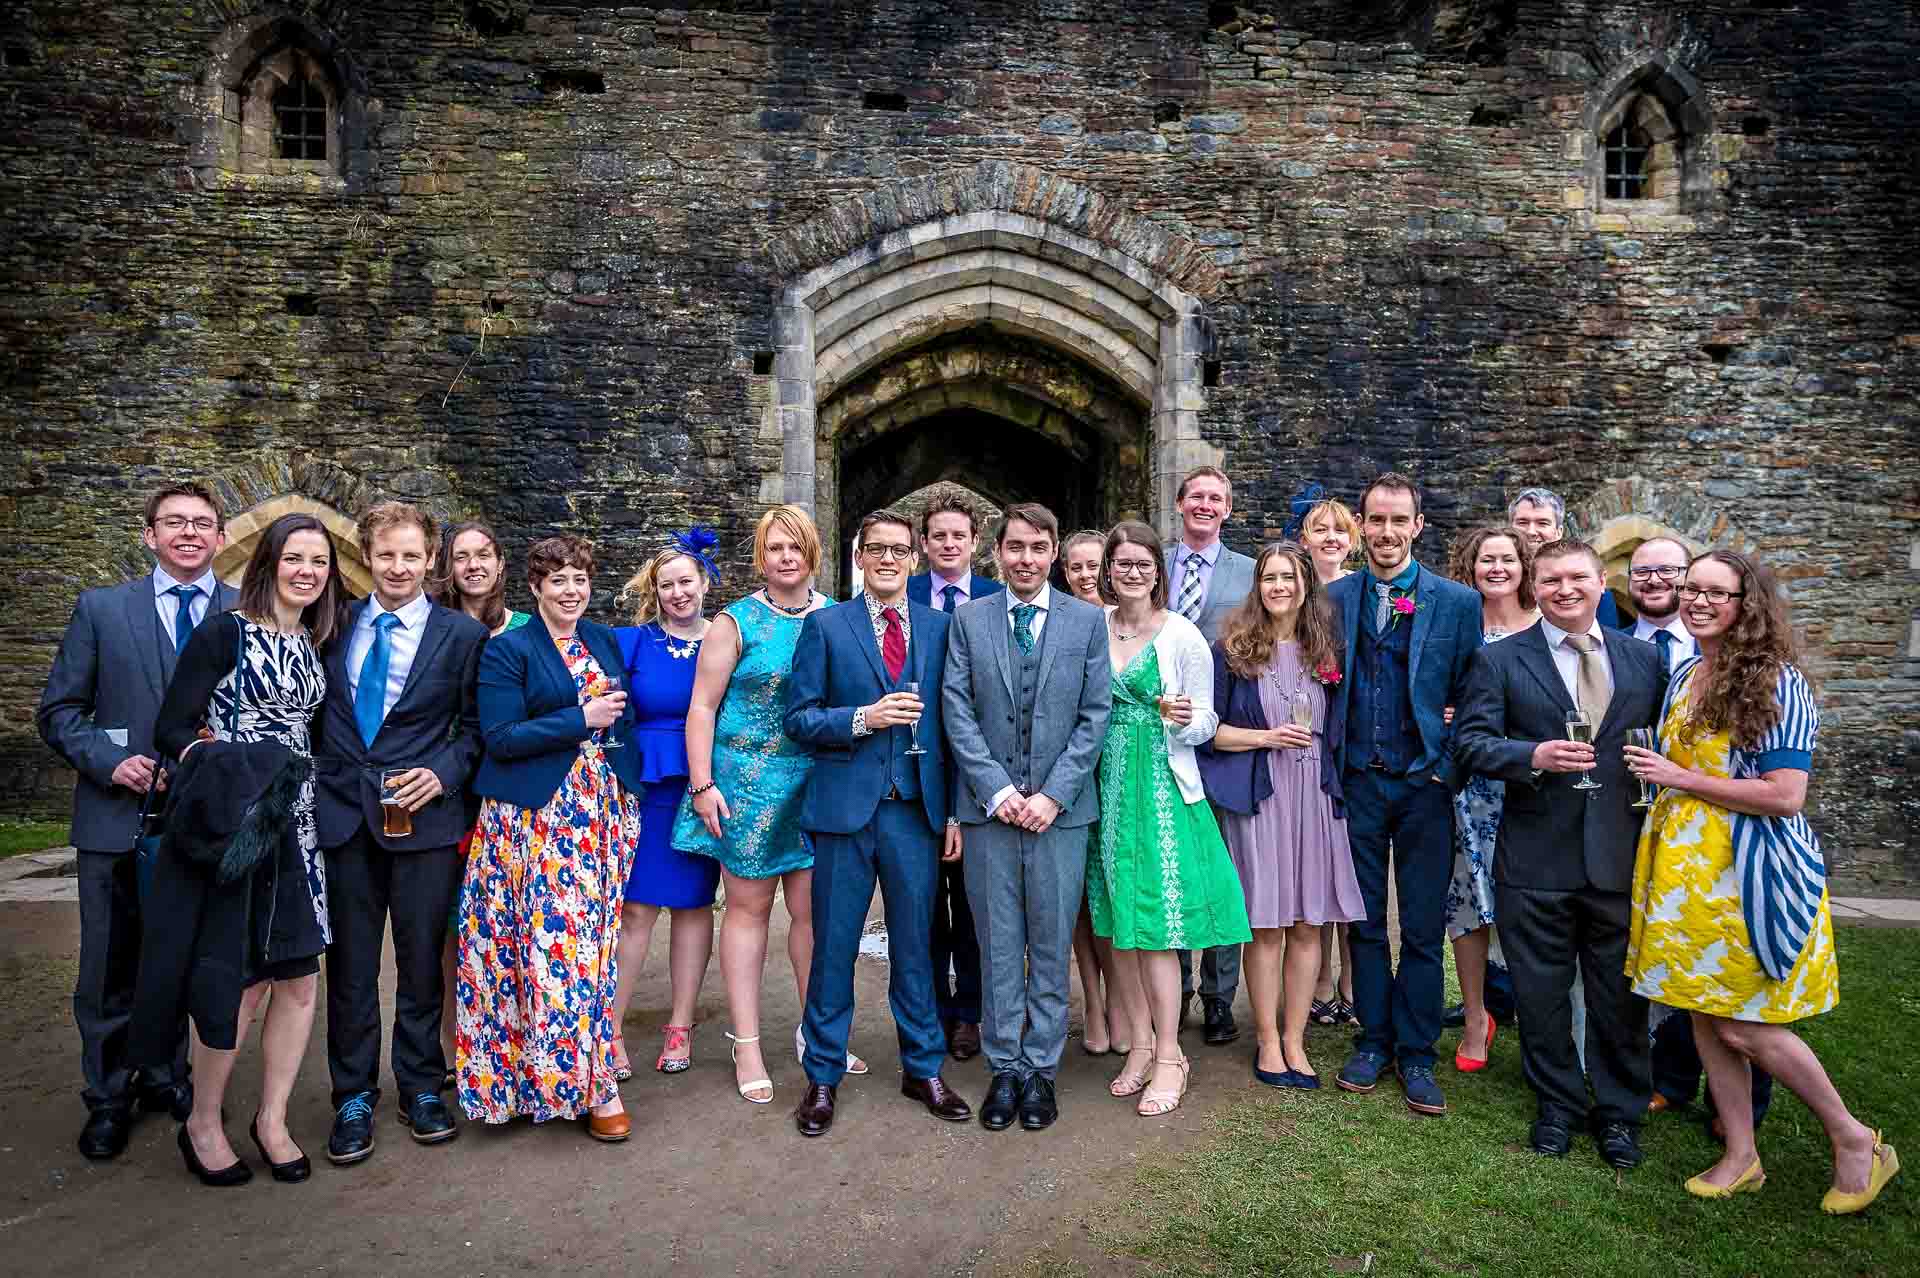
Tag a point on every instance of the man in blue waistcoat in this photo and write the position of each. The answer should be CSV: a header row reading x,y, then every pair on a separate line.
x,y
1410,634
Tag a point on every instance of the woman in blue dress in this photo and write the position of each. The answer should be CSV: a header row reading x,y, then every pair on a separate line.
x,y
745,777
662,649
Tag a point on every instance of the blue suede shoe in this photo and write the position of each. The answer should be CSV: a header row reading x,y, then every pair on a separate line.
x,y
1423,1093
1362,1071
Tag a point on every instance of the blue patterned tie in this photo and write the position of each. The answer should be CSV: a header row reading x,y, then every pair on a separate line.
x,y
1384,607
1023,615
183,618
370,697
1663,640
951,596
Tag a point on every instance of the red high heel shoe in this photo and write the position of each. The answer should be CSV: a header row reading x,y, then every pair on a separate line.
x,y
1467,1064
678,1036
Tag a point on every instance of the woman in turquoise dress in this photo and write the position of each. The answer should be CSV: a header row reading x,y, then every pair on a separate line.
x,y
1166,882
745,777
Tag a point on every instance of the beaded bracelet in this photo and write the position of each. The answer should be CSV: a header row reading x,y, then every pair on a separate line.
x,y
701,789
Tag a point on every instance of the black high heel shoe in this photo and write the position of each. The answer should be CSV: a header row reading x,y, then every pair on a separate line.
x,y
238,1173
286,1173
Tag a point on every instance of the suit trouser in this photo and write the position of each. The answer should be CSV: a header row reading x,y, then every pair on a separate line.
x,y
1544,933
103,991
1025,890
1410,820
366,884
898,849
956,949
1677,1068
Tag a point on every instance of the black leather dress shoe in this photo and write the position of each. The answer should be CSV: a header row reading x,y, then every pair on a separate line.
x,y
1455,1017
173,1099
941,1101
1550,1136
430,1119
1221,1028
1002,1104
963,1040
1619,1145
352,1137
106,1132
1038,1107
814,1115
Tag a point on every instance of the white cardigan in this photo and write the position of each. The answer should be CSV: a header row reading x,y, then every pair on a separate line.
x,y
1186,668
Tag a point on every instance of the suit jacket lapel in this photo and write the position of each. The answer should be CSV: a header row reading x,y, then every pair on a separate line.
x,y
1538,660
547,656
143,630
860,628
1001,638
1422,626
1626,679
432,635
1048,648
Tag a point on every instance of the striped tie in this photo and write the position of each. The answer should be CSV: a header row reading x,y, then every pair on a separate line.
x,y
1189,605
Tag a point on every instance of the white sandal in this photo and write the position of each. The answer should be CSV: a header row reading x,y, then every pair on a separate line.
x,y
1157,1101
752,1084
855,1065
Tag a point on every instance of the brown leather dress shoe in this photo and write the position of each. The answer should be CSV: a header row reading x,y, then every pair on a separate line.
x,y
1659,1104
963,1040
814,1115
612,1129
941,1101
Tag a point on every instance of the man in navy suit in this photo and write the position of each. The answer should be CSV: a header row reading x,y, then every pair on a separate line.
x,y
400,696
1410,635
949,531
97,713
874,810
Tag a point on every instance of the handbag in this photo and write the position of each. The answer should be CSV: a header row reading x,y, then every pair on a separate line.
x,y
151,824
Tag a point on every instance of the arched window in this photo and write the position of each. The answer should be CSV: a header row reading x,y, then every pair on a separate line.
x,y
300,120
282,108
1626,163
1651,149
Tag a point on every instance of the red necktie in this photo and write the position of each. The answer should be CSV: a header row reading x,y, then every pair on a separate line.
x,y
893,645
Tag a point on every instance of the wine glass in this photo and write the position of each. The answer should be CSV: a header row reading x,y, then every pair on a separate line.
x,y
1643,737
1300,710
912,687
1580,731
608,741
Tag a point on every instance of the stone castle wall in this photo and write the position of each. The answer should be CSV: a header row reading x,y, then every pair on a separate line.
x,y
542,286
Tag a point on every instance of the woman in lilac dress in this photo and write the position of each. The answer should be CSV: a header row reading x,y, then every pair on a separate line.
x,y
1270,770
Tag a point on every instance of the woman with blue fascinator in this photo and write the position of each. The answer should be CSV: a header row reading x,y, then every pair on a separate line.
x,y
662,649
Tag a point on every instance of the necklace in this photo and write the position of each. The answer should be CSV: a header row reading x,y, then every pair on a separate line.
x,y
682,649
791,612
1122,635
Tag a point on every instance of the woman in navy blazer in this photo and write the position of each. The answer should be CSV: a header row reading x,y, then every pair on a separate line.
x,y
559,821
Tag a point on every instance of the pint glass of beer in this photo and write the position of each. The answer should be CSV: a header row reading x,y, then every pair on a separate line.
x,y
398,823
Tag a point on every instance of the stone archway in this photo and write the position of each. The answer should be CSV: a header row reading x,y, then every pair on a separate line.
x,y
245,530
1617,517
259,492
996,326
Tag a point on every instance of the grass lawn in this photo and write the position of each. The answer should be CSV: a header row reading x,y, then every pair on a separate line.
x,y
1318,1183
31,836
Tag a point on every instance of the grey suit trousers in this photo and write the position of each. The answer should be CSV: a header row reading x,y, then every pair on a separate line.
x,y
1025,892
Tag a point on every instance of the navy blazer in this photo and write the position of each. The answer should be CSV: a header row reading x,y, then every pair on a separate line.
x,y
836,670
1446,635
1240,780
920,589
531,717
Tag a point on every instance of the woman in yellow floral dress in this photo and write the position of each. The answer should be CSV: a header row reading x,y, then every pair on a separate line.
x,y
1730,915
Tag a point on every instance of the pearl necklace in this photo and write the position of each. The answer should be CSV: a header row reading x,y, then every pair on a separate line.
x,y
791,612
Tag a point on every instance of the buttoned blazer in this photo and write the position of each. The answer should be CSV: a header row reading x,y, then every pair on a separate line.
x,y
1073,699
109,677
1553,837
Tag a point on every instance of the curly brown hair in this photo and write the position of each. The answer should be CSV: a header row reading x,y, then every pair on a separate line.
x,y
1467,550
1249,634
1737,695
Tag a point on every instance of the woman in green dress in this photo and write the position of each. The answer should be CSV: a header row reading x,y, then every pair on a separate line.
x,y
1166,882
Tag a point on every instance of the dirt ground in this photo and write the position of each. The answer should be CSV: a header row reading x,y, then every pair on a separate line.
x,y
708,1185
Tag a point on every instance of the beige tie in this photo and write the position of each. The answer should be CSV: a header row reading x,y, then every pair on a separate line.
x,y
1591,682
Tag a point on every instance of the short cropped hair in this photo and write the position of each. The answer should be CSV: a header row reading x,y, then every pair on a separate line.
x,y
187,488
1391,481
885,517
1204,472
1545,498
1131,532
1031,513
550,554
379,518
948,502
797,524
1567,548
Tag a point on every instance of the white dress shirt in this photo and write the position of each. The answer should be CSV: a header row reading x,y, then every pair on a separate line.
x,y
404,639
938,585
1682,646
168,605
1566,658
1043,601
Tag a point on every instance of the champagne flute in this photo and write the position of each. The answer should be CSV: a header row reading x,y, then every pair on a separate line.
x,y
606,738
1643,737
1300,710
1580,731
912,688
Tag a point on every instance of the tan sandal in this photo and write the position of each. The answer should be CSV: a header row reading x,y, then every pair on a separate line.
x,y
1127,1082
752,1085
1157,1102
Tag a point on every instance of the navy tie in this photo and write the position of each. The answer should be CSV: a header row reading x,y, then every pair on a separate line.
x,y
951,597
183,619
1663,640
370,697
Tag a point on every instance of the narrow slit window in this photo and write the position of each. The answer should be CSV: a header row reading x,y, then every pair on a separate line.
x,y
300,120
1626,152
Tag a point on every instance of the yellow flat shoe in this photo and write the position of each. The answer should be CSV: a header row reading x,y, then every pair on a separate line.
x,y
1747,1182
1886,1165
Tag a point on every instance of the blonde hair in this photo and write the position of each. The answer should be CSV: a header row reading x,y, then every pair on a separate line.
x,y
644,586
797,524
1342,519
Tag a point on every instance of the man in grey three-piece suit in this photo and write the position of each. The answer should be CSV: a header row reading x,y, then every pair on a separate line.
x,y
97,713
1027,692
1206,582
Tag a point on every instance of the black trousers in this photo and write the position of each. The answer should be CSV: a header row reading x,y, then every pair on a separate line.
x,y
103,993
366,886
1543,932
956,949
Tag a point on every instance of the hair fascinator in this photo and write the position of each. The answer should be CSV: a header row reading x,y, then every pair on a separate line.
x,y
1298,506
698,543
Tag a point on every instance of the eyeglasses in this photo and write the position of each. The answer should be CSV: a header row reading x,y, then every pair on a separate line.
x,y
899,554
1714,597
180,523
1665,572
1133,568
